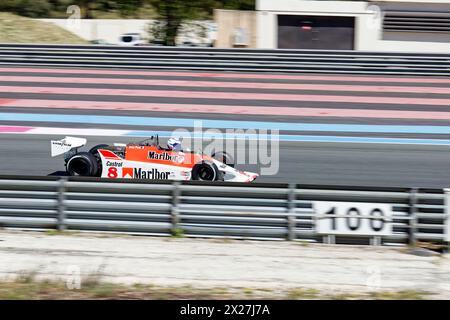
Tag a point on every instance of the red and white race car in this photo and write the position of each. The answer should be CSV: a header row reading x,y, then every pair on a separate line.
x,y
146,160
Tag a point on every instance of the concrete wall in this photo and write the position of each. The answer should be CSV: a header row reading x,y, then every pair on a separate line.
x,y
235,29
109,30
368,24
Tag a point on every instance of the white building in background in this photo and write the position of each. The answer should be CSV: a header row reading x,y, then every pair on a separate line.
x,y
407,26
384,25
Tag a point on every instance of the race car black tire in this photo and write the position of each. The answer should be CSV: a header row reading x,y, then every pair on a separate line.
x,y
224,157
82,164
94,151
206,171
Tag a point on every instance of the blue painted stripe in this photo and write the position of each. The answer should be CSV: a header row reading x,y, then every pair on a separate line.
x,y
296,138
222,124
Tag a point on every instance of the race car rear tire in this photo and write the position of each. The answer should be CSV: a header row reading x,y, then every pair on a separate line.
x,y
82,164
206,171
94,152
224,157
94,149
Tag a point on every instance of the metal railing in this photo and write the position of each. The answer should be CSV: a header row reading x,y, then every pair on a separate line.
x,y
214,59
250,211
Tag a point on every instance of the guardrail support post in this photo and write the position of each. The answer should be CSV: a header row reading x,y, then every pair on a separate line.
x,y
375,241
291,219
175,217
61,204
447,218
412,217
329,239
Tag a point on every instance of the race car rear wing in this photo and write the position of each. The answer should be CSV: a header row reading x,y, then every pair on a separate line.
x,y
59,147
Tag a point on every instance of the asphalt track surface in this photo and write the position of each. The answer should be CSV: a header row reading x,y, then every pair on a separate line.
x,y
308,163
31,97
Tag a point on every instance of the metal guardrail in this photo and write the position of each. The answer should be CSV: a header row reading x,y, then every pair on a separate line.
x,y
257,211
214,59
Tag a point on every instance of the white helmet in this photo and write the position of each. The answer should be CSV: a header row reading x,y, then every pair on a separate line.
x,y
174,144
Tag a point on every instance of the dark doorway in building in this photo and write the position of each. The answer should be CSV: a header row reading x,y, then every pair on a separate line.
x,y
316,32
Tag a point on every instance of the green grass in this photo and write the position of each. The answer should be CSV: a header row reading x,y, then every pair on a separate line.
x,y
178,233
104,290
16,29
302,293
26,288
344,296
400,295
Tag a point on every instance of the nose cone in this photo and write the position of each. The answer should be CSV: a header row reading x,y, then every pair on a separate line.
x,y
251,176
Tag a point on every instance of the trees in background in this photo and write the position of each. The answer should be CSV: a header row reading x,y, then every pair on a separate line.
x,y
237,4
29,8
170,13
57,8
122,8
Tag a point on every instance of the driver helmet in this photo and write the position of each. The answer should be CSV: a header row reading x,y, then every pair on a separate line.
x,y
174,144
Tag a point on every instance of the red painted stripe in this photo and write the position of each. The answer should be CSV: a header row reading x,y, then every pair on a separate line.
x,y
6,101
226,95
222,109
215,84
109,155
14,129
228,75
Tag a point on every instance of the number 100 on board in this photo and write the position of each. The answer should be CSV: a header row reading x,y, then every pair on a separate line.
x,y
353,218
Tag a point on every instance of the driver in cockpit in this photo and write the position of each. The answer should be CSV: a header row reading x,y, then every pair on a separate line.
x,y
174,144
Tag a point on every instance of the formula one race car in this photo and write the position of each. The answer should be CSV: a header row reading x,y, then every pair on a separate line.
x,y
146,160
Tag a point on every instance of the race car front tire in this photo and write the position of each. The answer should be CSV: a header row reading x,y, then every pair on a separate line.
x,y
82,164
206,171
